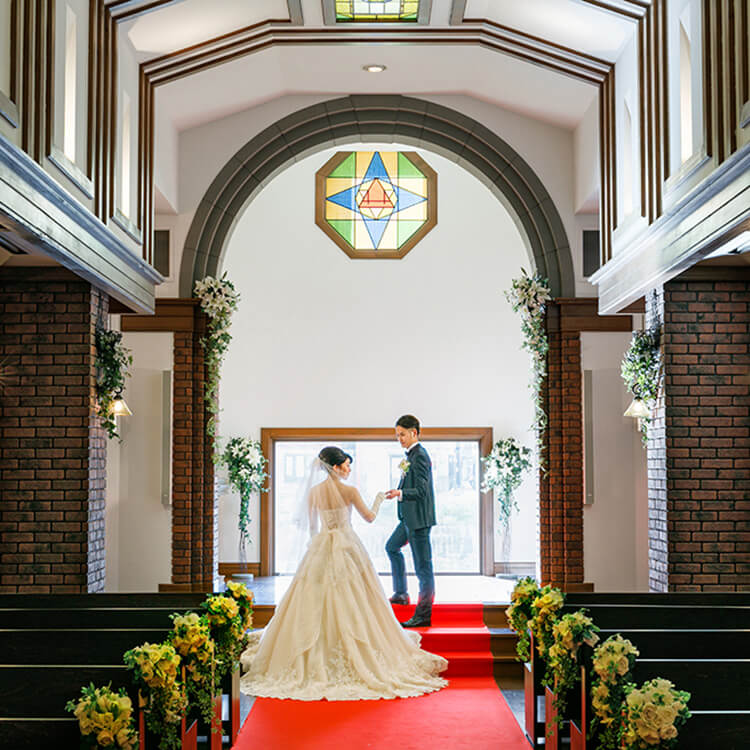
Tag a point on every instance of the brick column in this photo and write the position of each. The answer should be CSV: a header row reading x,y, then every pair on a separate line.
x,y
195,517
52,448
561,492
699,447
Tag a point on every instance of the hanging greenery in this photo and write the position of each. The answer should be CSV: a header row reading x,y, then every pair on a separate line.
x,y
528,295
246,465
641,370
503,469
112,360
218,299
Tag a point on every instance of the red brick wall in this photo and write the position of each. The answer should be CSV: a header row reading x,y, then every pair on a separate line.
x,y
561,487
699,468
52,450
195,529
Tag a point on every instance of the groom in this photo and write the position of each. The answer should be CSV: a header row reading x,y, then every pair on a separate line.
x,y
416,513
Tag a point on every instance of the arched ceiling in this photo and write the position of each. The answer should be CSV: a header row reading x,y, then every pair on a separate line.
x,y
542,58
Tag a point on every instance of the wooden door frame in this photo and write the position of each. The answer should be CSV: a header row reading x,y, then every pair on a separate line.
x,y
269,436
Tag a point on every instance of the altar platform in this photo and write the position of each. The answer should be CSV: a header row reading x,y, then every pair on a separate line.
x,y
448,589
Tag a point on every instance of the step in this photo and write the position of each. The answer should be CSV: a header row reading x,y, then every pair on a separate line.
x,y
467,663
456,639
446,615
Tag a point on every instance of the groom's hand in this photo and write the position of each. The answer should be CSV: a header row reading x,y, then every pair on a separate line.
x,y
393,493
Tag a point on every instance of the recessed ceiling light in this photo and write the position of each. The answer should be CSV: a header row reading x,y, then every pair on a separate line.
x,y
374,68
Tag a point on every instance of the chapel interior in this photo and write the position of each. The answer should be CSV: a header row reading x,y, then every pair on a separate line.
x,y
372,177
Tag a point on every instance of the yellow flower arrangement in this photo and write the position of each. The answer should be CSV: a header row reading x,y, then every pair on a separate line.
x,y
569,634
612,663
229,618
191,638
544,615
653,714
524,593
105,718
155,673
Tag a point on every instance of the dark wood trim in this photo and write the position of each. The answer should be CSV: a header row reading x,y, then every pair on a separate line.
x,y
169,315
27,119
126,10
581,314
630,9
715,273
489,34
269,436
228,569
9,109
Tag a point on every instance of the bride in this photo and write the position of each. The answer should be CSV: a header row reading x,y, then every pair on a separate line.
x,y
334,635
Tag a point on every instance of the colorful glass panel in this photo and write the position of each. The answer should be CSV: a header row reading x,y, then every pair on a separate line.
x,y
375,201
374,11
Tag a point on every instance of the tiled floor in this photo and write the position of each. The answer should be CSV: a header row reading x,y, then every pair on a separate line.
x,y
465,588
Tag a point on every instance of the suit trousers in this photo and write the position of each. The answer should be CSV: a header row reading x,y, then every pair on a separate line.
x,y
421,550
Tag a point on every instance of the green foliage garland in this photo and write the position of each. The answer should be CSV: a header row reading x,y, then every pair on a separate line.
x,y
112,360
246,464
528,296
641,370
218,299
503,469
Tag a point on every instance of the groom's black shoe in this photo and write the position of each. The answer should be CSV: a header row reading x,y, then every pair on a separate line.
x,y
399,599
417,622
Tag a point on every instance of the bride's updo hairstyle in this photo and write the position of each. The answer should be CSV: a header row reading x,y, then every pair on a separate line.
x,y
332,456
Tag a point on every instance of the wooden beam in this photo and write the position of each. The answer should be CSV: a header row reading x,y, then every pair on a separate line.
x,y
169,315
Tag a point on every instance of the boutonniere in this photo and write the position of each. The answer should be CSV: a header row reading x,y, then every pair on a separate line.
x,y
404,466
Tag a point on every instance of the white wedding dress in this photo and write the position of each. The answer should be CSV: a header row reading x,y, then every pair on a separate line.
x,y
334,635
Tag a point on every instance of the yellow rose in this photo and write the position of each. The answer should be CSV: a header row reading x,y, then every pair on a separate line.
x,y
124,739
105,738
669,732
86,725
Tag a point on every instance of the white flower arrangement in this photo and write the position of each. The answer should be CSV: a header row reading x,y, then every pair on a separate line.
x,y
404,466
529,295
246,466
503,470
218,299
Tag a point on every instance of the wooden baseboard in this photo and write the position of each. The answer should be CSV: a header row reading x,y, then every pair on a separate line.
x,y
228,569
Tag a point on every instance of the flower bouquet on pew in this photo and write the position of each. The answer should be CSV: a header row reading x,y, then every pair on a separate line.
x,y
160,692
652,715
544,615
191,638
520,612
227,617
612,663
569,634
105,718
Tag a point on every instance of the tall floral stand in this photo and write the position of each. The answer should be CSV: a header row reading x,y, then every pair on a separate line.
x,y
230,686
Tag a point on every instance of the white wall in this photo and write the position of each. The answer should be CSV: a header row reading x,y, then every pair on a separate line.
x,y
548,149
138,538
586,150
321,340
615,525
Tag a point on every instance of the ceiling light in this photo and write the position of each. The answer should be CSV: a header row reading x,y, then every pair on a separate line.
x,y
374,68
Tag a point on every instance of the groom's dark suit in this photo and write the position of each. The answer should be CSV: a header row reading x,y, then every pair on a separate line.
x,y
416,513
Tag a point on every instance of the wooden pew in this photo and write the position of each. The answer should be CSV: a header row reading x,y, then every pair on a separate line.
x,y
697,641
55,644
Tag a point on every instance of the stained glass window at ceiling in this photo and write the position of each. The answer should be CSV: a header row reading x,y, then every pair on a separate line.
x,y
376,204
374,11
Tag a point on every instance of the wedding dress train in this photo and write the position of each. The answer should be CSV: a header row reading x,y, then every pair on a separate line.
x,y
334,635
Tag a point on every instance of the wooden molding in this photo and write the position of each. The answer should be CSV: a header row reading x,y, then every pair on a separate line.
x,y
488,34
581,314
271,435
228,569
632,9
126,10
169,315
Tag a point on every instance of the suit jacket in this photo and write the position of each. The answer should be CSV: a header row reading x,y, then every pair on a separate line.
x,y
416,506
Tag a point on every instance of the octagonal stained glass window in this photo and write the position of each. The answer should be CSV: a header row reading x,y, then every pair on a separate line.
x,y
377,10
376,204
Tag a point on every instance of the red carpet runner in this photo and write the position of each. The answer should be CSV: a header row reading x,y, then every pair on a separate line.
x,y
470,714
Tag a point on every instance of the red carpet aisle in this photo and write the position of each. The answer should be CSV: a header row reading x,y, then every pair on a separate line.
x,y
470,714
